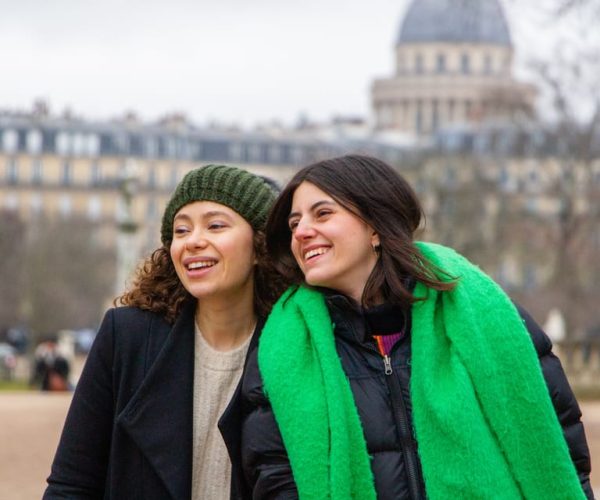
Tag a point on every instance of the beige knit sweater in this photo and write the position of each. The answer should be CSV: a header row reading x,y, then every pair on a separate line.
x,y
216,375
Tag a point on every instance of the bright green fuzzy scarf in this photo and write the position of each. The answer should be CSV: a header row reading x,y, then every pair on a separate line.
x,y
483,419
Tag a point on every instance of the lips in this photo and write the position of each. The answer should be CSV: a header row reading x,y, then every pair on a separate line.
x,y
314,252
197,264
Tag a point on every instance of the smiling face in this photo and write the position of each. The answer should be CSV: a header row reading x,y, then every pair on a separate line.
x,y
213,251
332,246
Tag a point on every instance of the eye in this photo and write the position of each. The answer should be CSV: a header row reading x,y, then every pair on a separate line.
x,y
293,224
179,230
216,225
323,212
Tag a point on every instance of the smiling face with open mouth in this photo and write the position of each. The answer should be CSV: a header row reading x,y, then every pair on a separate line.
x,y
213,251
332,246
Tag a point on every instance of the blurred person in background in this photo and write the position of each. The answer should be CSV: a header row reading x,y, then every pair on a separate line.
x,y
143,420
397,369
51,367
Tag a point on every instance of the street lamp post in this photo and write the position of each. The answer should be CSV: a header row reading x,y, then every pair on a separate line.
x,y
127,227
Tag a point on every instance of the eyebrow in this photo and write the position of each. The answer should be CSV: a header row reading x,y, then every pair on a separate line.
x,y
312,207
207,215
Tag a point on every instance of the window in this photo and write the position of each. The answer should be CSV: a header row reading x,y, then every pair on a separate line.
x,y
66,173
468,109
122,143
401,64
34,141
451,106
481,143
151,176
136,145
10,141
93,144
152,208
441,63
274,153
235,151
385,115
151,147
49,140
419,117
255,152
12,171
487,64
465,64
174,177
435,115
297,155
185,148
419,63
63,144
95,174
171,147
79,144
36,171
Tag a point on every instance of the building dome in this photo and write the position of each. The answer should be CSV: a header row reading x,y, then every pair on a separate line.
x,y
469,21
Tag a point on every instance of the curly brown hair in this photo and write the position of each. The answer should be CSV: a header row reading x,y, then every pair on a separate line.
x,y
157,288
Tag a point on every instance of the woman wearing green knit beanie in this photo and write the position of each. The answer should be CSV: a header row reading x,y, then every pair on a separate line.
x,y
143,421
396,369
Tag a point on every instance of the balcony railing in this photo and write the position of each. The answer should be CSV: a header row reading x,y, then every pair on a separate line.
x,y
581,362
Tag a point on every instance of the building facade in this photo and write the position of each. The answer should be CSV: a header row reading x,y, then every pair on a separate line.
x,y
453,66
61,167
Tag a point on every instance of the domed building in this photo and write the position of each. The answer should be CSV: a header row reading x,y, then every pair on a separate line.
x,y
453,66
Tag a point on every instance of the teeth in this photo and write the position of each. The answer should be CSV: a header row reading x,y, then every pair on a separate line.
x,y
199,265
316,251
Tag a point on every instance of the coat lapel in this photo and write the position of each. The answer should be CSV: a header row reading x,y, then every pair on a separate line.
x,y
158,418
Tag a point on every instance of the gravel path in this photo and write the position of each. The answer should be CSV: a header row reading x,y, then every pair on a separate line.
x,y
30,425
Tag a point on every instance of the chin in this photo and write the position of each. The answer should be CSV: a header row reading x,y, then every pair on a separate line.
x,y
318,281
200,292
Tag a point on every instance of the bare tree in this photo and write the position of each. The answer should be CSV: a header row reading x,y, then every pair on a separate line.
x,y
68,278
570,79
12,244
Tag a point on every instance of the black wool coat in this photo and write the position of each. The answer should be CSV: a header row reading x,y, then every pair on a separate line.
x,y
128,432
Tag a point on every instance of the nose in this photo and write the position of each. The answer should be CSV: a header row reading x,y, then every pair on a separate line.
x,y
304,230
195,240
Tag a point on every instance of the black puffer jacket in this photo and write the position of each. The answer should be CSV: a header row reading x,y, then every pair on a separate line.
x,y
384,407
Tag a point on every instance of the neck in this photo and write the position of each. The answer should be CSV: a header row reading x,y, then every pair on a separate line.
x,y
226,324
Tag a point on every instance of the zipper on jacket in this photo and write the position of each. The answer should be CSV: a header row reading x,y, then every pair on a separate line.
x,y
387,363
407,442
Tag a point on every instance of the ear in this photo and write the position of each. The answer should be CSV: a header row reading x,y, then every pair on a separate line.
x,y
375,240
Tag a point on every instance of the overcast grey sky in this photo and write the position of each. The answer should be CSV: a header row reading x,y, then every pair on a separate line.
x,y
242,61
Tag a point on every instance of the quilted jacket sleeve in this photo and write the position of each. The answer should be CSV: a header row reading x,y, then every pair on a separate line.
x,y
563,399
80,464
264,458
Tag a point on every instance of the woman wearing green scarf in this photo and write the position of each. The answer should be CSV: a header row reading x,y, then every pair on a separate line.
x,y
401,370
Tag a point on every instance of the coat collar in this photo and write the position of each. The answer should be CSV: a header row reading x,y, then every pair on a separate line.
x,y
158,417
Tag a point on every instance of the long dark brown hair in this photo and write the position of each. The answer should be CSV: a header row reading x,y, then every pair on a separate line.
x,y
157,288
376,193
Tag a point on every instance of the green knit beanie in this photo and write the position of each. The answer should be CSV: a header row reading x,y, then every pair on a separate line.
x,y
249,195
